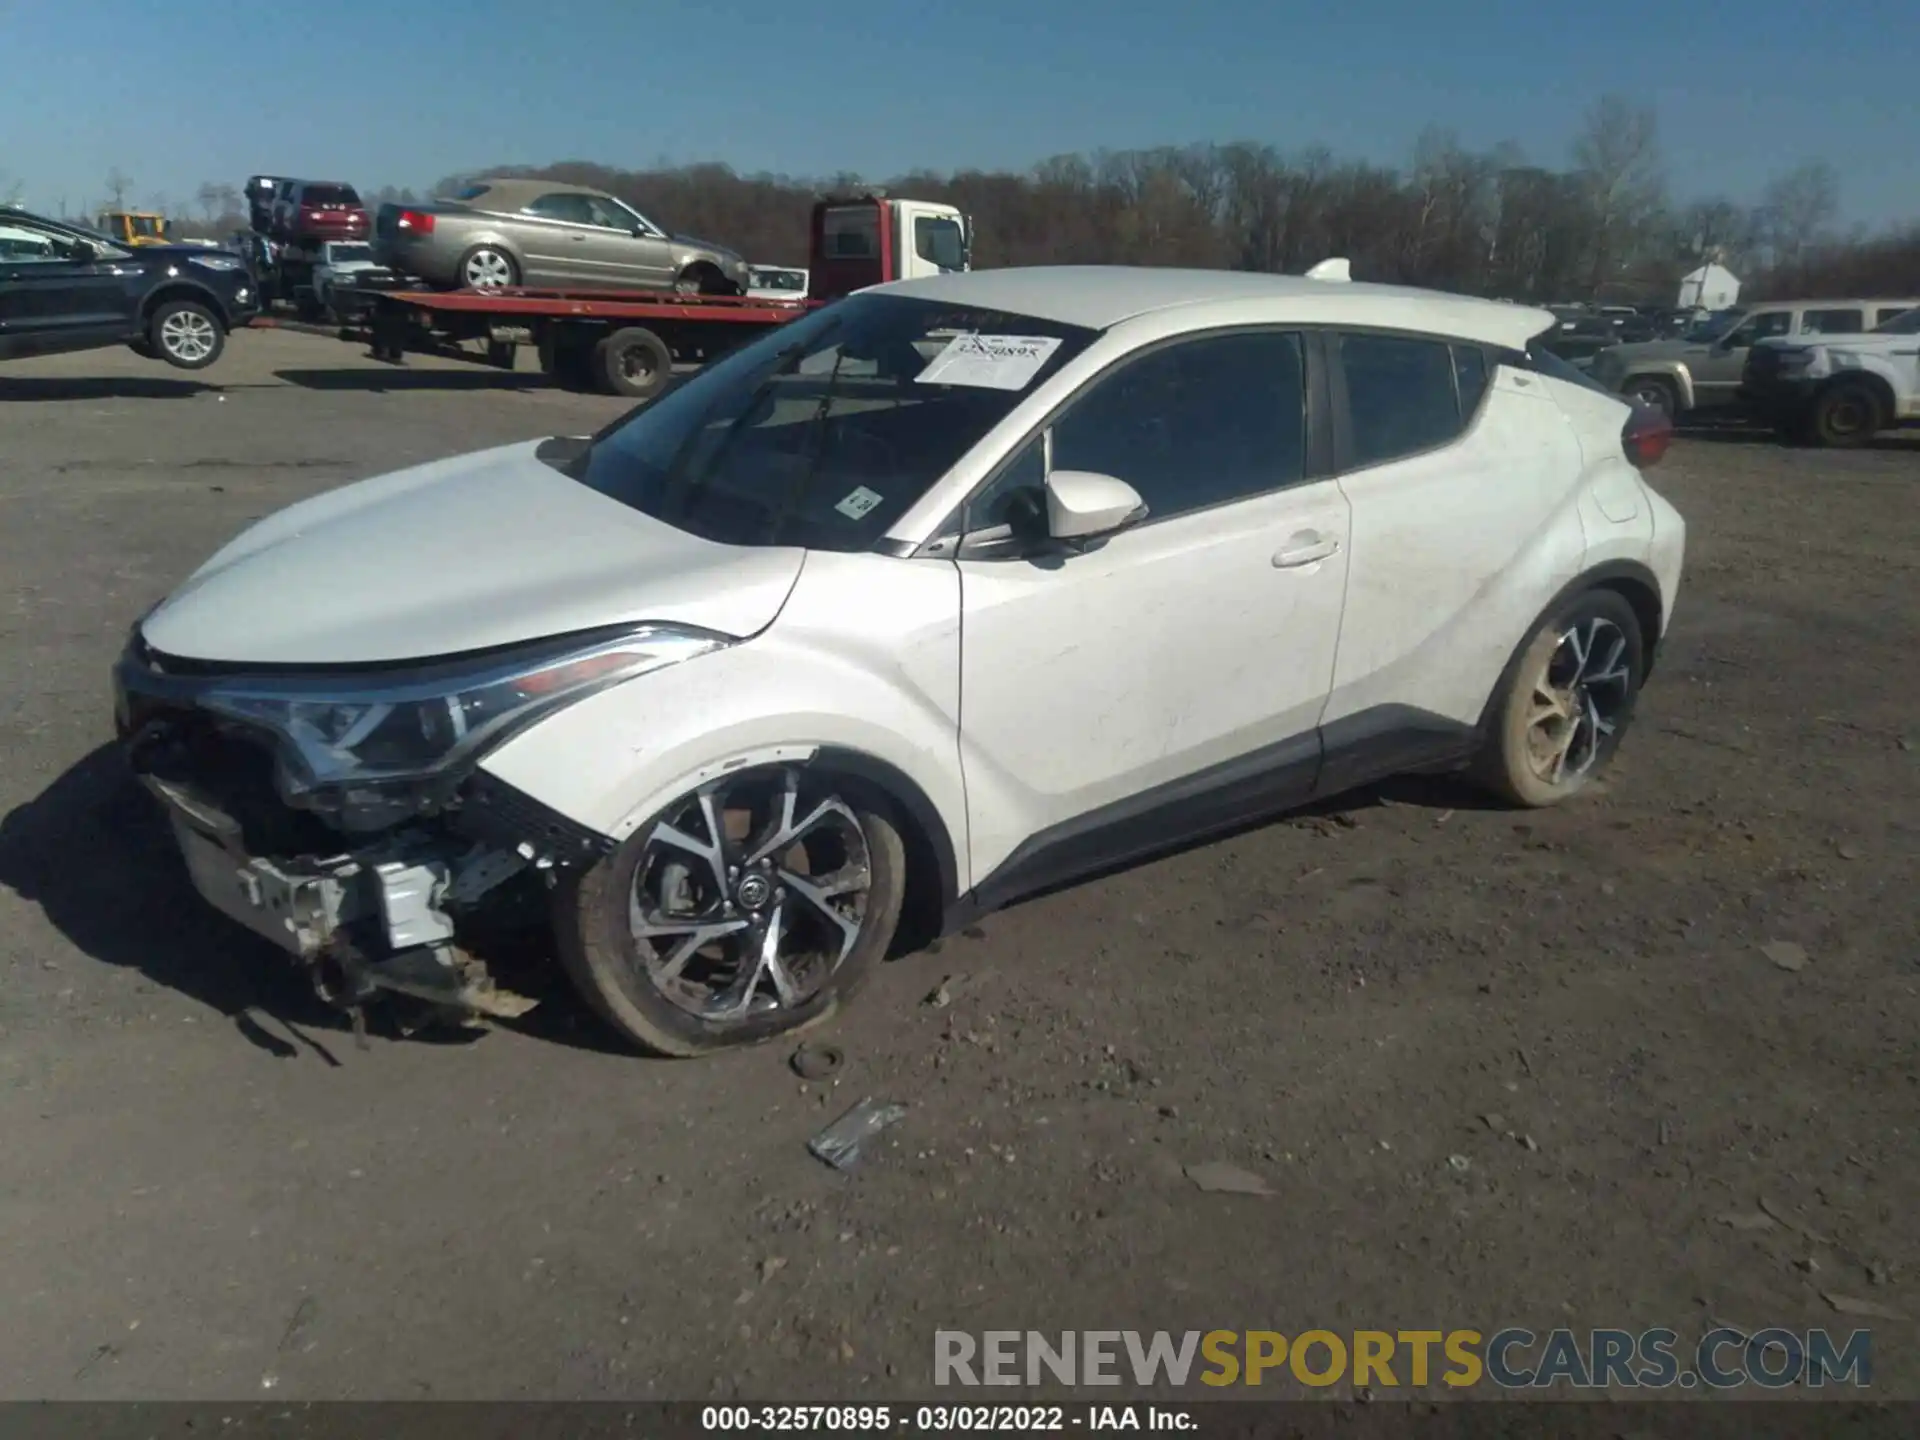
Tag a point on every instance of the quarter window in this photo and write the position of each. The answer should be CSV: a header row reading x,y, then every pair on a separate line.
x,y
1832,322
1400,395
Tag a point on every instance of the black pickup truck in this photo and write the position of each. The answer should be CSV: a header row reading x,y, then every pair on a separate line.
x,y
65,287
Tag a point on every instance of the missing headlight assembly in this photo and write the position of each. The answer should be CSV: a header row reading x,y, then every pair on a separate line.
x,y
340,814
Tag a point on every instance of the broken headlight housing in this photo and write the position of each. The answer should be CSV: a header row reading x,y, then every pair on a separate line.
x,y
365,730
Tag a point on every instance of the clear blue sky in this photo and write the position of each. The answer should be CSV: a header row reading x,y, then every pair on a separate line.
x,y
397,93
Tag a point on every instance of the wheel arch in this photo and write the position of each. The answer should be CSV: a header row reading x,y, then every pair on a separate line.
x,y
184,290
1632,581
1873,380
933,876
1669,372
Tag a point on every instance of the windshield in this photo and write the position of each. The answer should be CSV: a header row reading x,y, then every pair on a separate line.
x,y
1714,326
826,431
344,254
1906,324
149,226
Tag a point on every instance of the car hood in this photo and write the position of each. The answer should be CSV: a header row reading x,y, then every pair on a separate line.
x,y
465,554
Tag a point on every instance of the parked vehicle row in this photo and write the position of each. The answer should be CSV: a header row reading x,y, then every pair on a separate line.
x,y
1700,375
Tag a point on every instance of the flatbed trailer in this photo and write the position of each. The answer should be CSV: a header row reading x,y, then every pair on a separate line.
x,y
614,342
626,342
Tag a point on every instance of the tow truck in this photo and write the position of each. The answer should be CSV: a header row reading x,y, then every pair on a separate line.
x,y
626,342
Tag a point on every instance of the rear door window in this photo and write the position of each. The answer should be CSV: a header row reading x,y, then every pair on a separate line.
x,y
1832,322
1401,396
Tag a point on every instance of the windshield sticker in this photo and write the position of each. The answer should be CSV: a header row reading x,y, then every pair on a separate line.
x,y
856,505
990,362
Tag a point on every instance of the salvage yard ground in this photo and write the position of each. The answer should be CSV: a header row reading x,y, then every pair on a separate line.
x,y
1552,1069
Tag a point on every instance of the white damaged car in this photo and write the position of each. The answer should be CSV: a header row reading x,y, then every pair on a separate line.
x,y
954,591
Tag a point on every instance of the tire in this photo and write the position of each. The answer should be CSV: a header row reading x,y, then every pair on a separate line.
x,y
186,334
1655,394
488,267
1845,416
633,362
684,1014
703,280
1516,761
143,347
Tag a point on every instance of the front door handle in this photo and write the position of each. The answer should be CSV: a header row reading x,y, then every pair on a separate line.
x,y
1305,548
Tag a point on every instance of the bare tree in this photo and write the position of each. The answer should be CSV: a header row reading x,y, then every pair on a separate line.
x,y
1796,210
209,197
10,189
1617,160
117,187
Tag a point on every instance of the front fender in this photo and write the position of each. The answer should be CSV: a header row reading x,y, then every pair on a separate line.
x,y
1676,371
810,688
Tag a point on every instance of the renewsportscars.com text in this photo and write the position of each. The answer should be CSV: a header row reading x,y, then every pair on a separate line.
x,y
1510,1359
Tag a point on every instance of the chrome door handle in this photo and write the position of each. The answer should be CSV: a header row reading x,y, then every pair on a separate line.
x,y
1304,550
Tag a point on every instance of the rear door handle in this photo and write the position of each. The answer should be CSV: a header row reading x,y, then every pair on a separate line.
x,y
1304,549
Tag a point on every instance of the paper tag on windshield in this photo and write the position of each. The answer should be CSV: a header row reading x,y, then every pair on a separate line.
x,y
990,362
858,503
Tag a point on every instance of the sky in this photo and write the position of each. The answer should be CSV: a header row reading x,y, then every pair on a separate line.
x,y
380,92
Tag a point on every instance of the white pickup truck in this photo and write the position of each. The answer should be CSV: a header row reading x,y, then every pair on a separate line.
x,y
1839,390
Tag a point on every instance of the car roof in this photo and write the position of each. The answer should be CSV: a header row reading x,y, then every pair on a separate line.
x,y
520,192
1831,304
1098,297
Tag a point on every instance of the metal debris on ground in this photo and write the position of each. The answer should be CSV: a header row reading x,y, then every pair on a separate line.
x,y
817,1062
1785,954
1865,1309
941,995
839,1144
1217,1177
1459,1163
304,1315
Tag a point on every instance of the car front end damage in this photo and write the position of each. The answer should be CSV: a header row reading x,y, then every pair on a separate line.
x,y
345,819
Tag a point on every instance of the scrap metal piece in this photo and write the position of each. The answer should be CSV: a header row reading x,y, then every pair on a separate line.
x,y
839,1144
441,975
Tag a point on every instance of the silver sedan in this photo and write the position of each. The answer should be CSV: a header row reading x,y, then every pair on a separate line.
x,y
535,233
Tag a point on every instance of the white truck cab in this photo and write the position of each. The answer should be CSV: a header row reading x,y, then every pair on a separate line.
x,y
872,238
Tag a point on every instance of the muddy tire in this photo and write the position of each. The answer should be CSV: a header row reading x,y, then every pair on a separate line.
x,y
1845,416
667,939
1565,703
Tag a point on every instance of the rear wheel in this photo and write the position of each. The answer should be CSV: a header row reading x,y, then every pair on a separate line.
x,y
1845,415
703,280
485,267
186,334
633,362
753,906
1565,703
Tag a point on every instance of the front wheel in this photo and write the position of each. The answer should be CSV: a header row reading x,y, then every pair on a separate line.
x,y
745,910
1565,703
186,335
1656,394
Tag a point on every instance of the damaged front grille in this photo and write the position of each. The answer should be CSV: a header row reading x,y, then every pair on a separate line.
x,y
231,771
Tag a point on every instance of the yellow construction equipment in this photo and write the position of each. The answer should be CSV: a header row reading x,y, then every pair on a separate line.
x,y
134,227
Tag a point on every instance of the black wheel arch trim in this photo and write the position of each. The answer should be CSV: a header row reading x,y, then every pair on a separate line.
x,y
905,792
1604,576
184,289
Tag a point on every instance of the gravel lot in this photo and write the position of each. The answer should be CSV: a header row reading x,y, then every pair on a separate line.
x,y
207,1189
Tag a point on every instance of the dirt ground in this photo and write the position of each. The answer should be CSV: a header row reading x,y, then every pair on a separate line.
x,y
207,1190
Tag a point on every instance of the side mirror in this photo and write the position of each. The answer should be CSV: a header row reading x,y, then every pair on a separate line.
x,y
83,252
1084,505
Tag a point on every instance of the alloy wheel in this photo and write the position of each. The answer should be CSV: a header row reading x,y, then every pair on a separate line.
x,y
1579,697
188,335
487,270
749,895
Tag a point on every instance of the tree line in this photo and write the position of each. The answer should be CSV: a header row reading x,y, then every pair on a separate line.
x,y
1603,227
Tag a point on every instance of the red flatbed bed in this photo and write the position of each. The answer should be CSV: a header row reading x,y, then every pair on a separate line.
x,y
609,305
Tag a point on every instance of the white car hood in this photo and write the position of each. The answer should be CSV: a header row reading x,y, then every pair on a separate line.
x,y
462,554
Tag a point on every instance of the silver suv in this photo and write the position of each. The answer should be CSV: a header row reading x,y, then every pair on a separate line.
x,y
1701,370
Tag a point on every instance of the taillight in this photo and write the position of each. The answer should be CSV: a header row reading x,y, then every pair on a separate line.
x,y
416,221
1646,437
